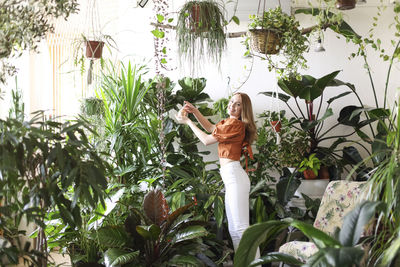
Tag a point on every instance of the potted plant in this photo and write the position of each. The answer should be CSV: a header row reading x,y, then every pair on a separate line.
x,y
274,118
293,145
275,31
310,166
90,48
288,149
200,30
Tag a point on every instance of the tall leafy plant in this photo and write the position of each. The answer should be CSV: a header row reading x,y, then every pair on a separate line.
x,y
386,187
41,162
128,135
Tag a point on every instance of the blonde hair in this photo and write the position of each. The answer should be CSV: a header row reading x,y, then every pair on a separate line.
x,y
248,118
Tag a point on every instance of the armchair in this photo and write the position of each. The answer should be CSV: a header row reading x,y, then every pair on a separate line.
x,y
340,197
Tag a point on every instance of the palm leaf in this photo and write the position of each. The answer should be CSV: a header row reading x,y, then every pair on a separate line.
x,y
112,236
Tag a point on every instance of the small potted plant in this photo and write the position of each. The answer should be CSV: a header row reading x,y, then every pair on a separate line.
x,y
275,119
90,48
200,30
294,145
310,166
275,31
286,151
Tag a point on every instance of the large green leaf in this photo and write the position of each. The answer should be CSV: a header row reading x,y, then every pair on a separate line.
x,y
286,187
149,232
219,210
190,232
185,260
379,148
309,88
275,257
189,83
346,116
337,97
320,238
351,155
117,257
253,236
310,124
332,257
354,222
174,215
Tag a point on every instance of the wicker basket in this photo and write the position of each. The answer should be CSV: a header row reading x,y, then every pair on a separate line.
x,y
265,41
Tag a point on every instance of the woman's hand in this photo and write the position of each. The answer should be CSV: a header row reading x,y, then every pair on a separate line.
x,y
188,107
182,119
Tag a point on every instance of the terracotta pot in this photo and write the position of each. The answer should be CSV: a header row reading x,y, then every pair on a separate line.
x,y
276,125
309,174
345,4
94,49
323,172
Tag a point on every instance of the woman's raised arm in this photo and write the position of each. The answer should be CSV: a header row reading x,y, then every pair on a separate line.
x,y
206,139
204,122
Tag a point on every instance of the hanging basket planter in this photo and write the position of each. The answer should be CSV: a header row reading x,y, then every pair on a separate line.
x,y
94,49
265,41
345,4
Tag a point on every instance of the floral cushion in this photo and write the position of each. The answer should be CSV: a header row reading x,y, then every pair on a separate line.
x,y
340,197
299,249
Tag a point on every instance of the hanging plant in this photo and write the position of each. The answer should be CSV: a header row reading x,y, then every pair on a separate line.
x,y
276,32
200,31
90,48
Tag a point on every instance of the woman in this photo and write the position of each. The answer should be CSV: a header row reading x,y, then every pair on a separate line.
x,y
234,136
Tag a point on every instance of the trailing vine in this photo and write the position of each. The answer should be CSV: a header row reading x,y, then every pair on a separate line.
x,y
161,38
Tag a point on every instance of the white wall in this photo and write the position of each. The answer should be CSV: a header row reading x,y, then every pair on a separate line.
x,y
130,27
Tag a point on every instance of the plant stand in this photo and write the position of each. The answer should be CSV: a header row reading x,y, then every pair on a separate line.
x,y
312,188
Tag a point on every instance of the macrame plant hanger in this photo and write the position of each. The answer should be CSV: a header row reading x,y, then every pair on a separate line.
x,y
92,32
274,103
274,99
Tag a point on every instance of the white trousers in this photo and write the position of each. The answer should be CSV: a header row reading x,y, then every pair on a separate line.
x,y
237,189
